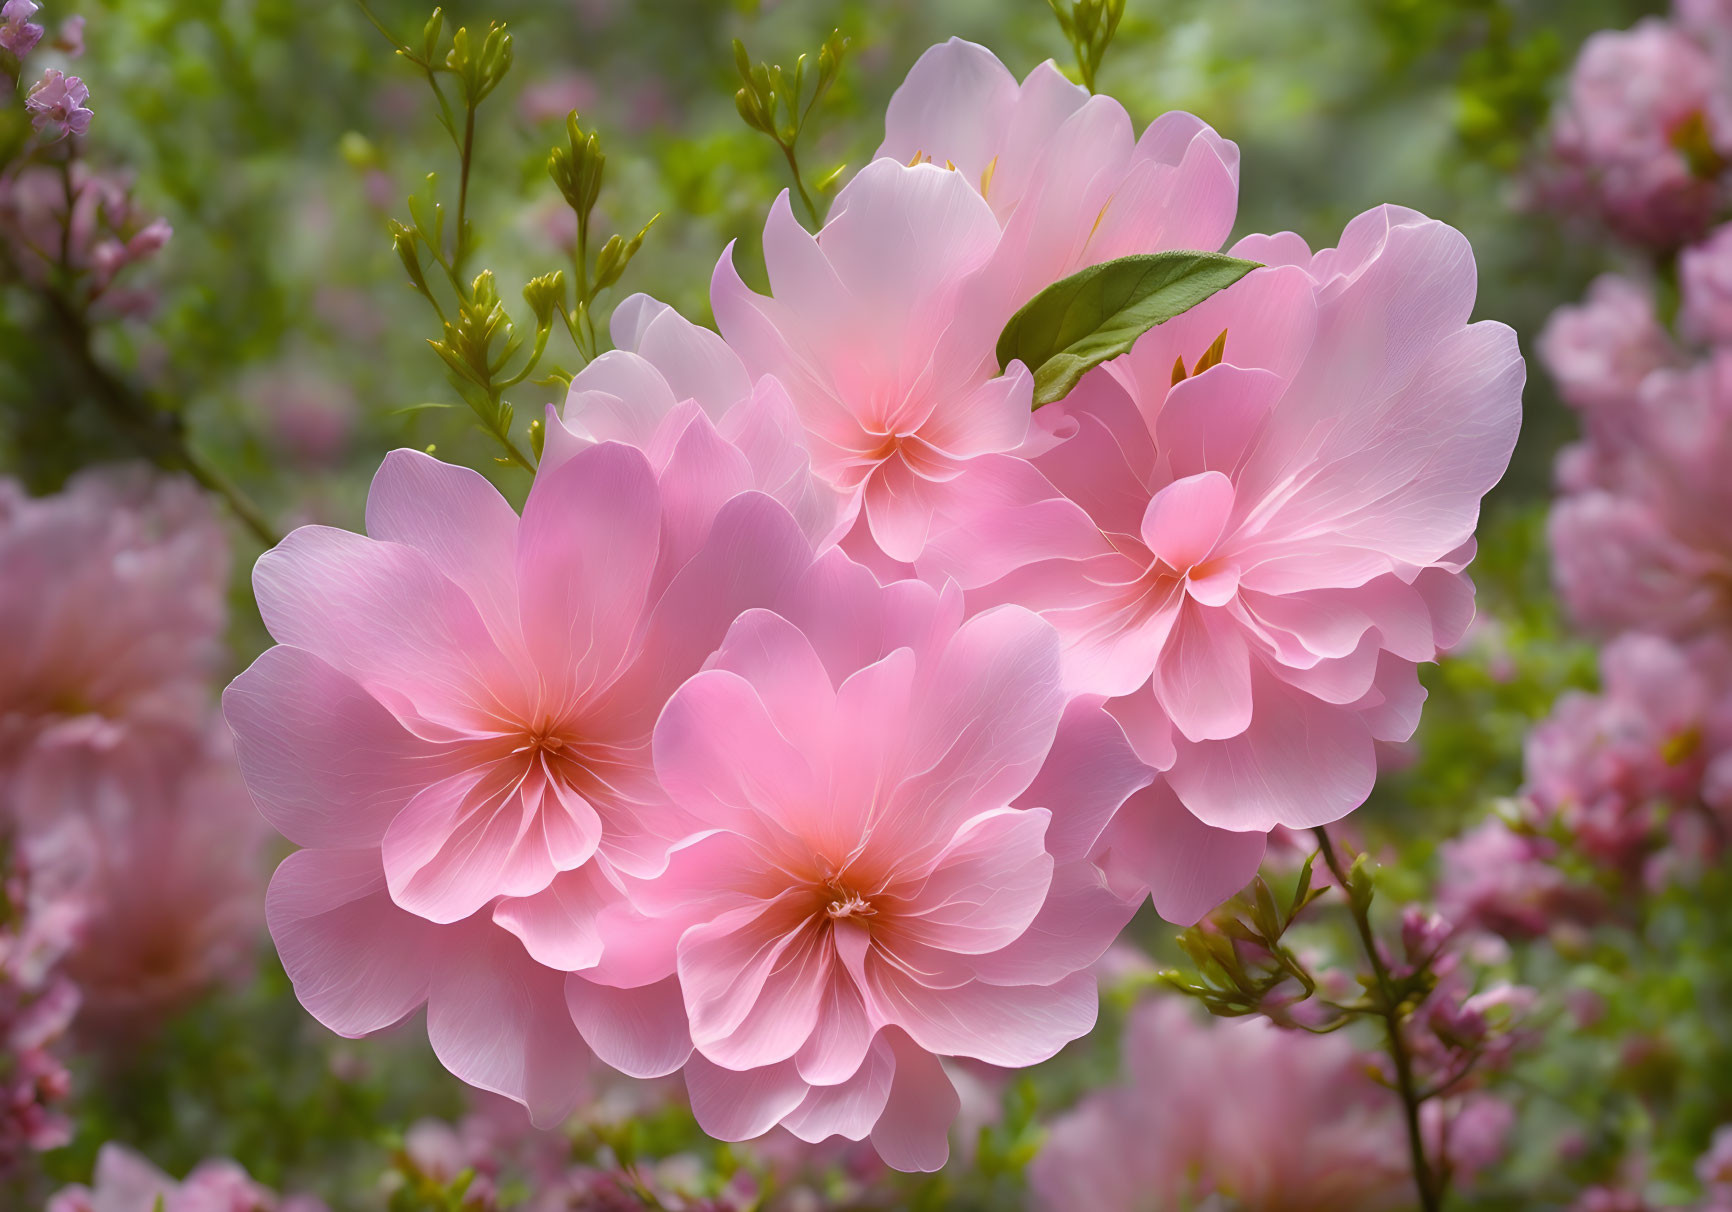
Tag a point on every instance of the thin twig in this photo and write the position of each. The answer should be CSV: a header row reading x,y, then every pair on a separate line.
x,y
1390,1012
158,434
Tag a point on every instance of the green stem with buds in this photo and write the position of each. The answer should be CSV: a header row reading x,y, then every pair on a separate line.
x,y
1389,1009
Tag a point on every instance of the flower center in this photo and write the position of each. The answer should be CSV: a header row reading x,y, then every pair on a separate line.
x,y
845,902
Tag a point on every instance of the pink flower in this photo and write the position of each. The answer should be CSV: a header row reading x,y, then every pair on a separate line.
x,y
56,105
1647,544
662,390
456,722
42,918
1258,1118
311,415
1600,350
1714,1168
112,599
1250,561
165,850
891,373
101,234
883,326
1706,271
889,875
1495,879
1066,179
18,33
1643,135
69,40
557,95
126,1182
1604,766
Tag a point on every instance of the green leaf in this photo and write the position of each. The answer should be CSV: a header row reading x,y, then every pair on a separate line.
x,y
1098,313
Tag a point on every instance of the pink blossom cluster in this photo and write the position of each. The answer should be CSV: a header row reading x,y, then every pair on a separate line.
x,y
64,225
828,710
126,1182
86,226
1633,779
1642,139
1632,784
111,764
40,919
1713,1172
1246,1115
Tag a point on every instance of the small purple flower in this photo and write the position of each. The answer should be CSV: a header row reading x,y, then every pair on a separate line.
x,y
56,104
18,33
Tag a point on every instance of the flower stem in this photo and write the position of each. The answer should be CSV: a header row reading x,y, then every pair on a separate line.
x,y
1390,1011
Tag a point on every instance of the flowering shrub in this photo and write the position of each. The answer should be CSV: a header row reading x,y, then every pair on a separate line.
x,y
1006,691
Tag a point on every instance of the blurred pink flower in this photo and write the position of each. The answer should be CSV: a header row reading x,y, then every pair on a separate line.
x,y
1648,544
1493,878
56,104
1714,1168
1706,273
1643,135
456,722
1604,766
310,415
18,33
885,879
42,919
166,852
126,1182
69,38
1599,351
102,233
1250,561
557,95
112,600
1259,1118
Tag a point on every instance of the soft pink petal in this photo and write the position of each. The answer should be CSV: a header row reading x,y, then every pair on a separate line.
x,y
498,1020
463,525
1203,678
1090,770
913,1134
849,1108
383,614
585,552
1185,518
985,886
326,764
739,1106
480,834
560,925
983,720
358,962
951,107
1188,867
1300,763
1011,1025
641,1032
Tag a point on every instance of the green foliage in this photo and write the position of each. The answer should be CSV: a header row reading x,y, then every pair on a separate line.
x,y
1098,313
779,104
1089,26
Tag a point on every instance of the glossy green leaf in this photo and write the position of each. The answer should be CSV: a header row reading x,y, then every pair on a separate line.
x,y
1098,313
